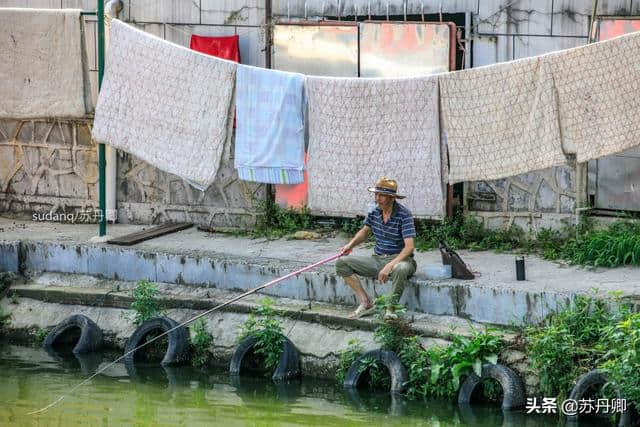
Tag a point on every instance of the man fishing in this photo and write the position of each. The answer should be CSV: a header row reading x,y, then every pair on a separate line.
x,y
392,226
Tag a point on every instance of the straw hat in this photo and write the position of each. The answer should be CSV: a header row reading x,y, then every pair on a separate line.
x,y
386,186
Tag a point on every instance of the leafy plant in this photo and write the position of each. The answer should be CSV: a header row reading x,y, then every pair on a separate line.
x,y
275,222
201,343
622,359
4,318
390,333
377,375
14,298
347,357
264,325
569,343
145,304
437,371
39,335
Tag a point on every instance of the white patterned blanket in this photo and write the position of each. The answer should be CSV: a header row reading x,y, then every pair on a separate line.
x,y
363,129
166,104
598,88
41,69
501,120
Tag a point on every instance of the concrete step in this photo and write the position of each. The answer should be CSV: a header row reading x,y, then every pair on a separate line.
x,y
83,290
237,264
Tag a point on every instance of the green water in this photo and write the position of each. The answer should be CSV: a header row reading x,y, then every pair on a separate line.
x,y
153,396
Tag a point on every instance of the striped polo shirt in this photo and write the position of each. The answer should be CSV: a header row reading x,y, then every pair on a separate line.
x,y
390,236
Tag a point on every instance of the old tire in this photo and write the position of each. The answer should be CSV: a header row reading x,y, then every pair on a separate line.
x,y
90,334
513,394
588,381
178,346
288,365
388,359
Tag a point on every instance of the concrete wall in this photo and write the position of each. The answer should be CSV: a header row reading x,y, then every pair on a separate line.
x,y
51,165
502,30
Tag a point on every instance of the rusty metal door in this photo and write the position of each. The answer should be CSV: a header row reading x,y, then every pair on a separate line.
x,y
614,181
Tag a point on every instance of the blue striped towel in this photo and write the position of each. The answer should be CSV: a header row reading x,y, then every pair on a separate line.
x,y
270,126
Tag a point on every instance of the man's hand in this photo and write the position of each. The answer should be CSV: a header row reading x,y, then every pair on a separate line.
x,y
345,250
384,273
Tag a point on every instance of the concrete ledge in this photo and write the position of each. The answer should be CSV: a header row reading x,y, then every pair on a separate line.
x,y
9,256
73,290
499,303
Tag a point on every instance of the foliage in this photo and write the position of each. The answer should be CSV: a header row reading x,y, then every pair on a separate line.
x,y
145,304
437,371
390,333
14,298
617,245
622,359
39,335
347,357
569,343
201,342
463,356
4,318
264,325
275,222
377,375
6,278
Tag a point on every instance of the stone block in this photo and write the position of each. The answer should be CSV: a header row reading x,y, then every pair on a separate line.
x,y
500,306
56,257
518,200
120,264
545,198
8,129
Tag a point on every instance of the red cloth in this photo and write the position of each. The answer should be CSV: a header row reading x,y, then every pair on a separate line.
x,y
227,47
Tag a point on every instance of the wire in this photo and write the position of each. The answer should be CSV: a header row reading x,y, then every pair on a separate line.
x,y
219,306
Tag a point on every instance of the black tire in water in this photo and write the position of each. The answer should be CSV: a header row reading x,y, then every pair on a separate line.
x,y
513,394
389,360
178,346
588,382
90,338
288,364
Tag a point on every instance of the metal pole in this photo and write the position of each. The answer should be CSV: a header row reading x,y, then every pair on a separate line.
x,y
582,173
101,153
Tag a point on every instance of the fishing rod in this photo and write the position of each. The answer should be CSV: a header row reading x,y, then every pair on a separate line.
x,y
193,319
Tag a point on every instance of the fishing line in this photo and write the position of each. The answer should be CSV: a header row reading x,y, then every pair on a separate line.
x,y
252,291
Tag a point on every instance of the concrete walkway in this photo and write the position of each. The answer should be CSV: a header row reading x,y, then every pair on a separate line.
x,y
225,262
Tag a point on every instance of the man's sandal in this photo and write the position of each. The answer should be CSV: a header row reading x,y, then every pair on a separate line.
x,y
361,311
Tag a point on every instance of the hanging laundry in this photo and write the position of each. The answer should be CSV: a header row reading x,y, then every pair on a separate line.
x,y
598,86
500,120
166,104
270,132
41,67
362,129
225,47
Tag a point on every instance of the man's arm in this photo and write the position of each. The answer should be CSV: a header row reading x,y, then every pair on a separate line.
x,y
360,237
409,246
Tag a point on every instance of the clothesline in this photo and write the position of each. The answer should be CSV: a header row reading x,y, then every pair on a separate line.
x,y
499,120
